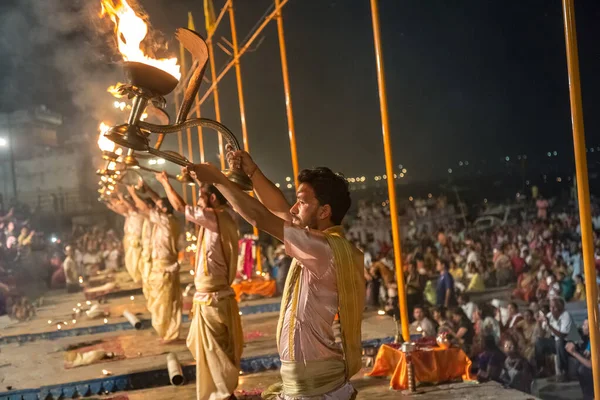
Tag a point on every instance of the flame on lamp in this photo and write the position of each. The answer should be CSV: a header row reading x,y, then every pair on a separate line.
x,y
114,90
104,143
131,30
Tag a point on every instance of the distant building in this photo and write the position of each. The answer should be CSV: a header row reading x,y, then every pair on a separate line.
x,y
52,177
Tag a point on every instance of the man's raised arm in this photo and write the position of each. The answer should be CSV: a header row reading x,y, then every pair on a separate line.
x,y
247,206
140,204
265,190
174,197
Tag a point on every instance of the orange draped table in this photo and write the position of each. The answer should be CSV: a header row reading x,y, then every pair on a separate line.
x,y
255,287
431,366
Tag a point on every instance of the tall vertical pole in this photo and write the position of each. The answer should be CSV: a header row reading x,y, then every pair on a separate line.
x,y
188,131
286,88
213,72
583,190
180,147
197,103
200,135
389,167
240,89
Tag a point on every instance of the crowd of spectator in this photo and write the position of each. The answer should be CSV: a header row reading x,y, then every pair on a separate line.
x,y
532,266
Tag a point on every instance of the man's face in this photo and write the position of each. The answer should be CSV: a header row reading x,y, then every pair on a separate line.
x,y
305,212
418,314
161,206
555,309
203,198
439,266
585,328
512,310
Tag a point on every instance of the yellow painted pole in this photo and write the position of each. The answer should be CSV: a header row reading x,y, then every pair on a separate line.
x,y
286,88
238,76
200,135
389,167
213,72
255,35
240,88
583,190
192,26
180,146
188,131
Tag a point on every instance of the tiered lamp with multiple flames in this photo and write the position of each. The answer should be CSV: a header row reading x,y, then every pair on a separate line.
x,y
147,85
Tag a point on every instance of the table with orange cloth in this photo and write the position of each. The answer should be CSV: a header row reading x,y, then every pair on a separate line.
x,y
261,287
431,366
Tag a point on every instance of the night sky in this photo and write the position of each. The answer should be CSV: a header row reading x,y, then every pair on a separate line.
x,y
470,80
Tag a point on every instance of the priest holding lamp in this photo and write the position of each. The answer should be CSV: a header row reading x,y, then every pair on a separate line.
x,y
325,278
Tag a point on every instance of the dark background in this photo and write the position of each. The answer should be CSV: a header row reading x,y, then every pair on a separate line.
x,y
475,80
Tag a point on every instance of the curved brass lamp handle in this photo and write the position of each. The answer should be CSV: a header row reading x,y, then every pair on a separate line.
x,y
191,123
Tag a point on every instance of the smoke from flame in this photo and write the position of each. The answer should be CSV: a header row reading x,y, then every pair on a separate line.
x,y
131,30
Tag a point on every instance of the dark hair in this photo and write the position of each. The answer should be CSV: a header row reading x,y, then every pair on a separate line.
x,y
167,204
440,309
465,297
148,202
459,312
512,303
330,188
444,263
211,189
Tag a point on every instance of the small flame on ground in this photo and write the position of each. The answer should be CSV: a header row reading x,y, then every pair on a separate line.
x,y
381,312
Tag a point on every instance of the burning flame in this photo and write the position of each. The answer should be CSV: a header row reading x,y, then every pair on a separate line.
x,y
104,143
114,90
131,30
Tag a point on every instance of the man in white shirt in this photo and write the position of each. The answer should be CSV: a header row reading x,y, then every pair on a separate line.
x,y
422,325
560,325
467,305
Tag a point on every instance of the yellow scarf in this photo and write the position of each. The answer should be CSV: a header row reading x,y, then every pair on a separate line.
x,y
349,265
228,234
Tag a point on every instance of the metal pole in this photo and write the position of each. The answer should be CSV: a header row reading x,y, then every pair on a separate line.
x,y
240,88
238,77
197,104
200,135
244,48
213,72
180,146
286,88
583,190
188,131
387,146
